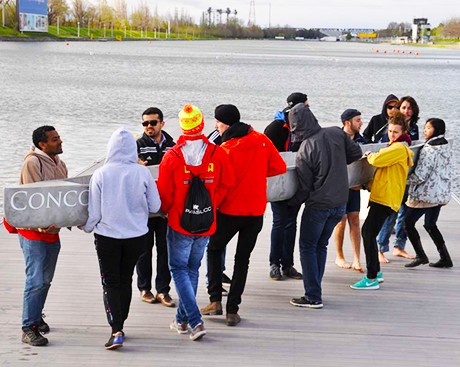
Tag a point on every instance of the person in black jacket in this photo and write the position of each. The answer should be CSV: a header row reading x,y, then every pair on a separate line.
x,y
151,148
378,126
284,226
321,166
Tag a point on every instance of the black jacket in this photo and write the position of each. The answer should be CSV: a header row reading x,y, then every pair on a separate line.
x,y
150,151
377,127
321,162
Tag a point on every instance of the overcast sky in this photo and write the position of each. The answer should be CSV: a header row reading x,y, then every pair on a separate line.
x,y
320,13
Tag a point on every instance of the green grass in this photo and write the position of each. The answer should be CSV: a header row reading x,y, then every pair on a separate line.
x,y
72,32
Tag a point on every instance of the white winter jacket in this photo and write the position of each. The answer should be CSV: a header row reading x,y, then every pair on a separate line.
x,y
431,179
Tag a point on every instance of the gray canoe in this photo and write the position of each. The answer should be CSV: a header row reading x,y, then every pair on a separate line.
x,y
64,202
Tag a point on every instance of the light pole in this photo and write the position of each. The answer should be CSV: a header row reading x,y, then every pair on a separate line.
x,y
154,33
89,25
78,29
3,13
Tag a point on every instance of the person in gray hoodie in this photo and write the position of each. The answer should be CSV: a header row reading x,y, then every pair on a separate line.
x,y
321,166
122,193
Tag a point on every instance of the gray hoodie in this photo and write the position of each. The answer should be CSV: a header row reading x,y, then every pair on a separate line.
x,y
122,193
321,162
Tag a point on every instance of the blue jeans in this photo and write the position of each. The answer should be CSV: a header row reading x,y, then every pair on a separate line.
x,y
283,234
383,239
40,258
315,230
185,254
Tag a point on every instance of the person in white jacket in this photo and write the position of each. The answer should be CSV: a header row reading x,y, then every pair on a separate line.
x,y
122,193
430,189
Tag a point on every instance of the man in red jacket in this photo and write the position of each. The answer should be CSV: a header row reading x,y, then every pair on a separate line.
x,y
192,156
253,158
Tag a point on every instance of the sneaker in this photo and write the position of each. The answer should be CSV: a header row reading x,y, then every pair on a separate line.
x,y
275,272
214,308
226,279
165,299
305,302
43,327
32,336
224,292
180,328
148,297
115,341
198,332
380,277
366,283
232,319
292,273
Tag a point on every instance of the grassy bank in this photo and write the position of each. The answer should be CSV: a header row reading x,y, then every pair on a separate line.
x,y
65,33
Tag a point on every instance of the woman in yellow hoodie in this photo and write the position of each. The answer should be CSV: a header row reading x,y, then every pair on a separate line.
x,y
387,190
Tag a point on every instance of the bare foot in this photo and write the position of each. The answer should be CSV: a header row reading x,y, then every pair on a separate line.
x,y
342,263
402,253
357,267
382,258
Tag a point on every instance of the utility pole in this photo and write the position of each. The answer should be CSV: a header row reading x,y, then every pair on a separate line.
x,y
269,15
252,13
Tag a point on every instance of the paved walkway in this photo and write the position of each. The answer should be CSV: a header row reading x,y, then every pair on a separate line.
x,y
414,319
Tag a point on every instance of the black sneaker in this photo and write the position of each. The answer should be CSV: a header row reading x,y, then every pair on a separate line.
x,y
33,337
226,279
43,327
275,273
292,273
304,302
115,341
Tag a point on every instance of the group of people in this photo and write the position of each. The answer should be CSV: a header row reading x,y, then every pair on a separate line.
x,y
208,192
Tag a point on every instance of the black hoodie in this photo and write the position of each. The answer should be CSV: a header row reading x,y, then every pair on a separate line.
x,y
321,161
377,126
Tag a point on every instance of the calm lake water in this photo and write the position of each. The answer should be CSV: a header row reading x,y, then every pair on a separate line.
x,y
87,90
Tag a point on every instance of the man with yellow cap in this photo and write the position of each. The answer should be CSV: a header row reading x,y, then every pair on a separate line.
x,y
193,156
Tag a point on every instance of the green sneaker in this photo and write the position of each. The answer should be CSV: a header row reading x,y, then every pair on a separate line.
x,y
366,283
380,277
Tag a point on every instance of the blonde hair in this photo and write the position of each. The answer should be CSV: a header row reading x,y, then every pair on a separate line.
x,y
399,119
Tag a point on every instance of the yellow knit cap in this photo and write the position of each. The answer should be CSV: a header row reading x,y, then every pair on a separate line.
x,y
191,119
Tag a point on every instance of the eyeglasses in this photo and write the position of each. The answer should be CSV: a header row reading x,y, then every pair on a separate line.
x,y
151,123
392,107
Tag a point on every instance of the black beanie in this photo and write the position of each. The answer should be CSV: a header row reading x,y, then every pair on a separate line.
x,y
227,113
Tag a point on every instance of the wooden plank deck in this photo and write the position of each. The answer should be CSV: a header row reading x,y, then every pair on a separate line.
x,y
412,320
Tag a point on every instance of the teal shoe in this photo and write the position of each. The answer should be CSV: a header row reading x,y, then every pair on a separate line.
x,y
380,277
366,283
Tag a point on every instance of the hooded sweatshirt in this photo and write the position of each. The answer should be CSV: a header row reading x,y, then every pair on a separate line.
x,y
253,158
122,192
39,166
389,183
377,127
321,162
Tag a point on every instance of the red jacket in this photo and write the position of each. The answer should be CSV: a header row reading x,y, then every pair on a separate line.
x,y
174,181
254,158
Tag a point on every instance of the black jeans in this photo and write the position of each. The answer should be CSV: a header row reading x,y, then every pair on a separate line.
x,y
117,259
248,228
157,234
377,215
411,217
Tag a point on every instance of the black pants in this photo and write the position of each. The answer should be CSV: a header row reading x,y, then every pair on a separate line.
x,y
371,228
157,234
248,228
117,259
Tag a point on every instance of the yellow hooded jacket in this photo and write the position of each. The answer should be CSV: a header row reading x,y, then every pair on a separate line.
x,y
389,183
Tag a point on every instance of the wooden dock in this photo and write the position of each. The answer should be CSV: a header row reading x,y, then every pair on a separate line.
x,y
413,320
